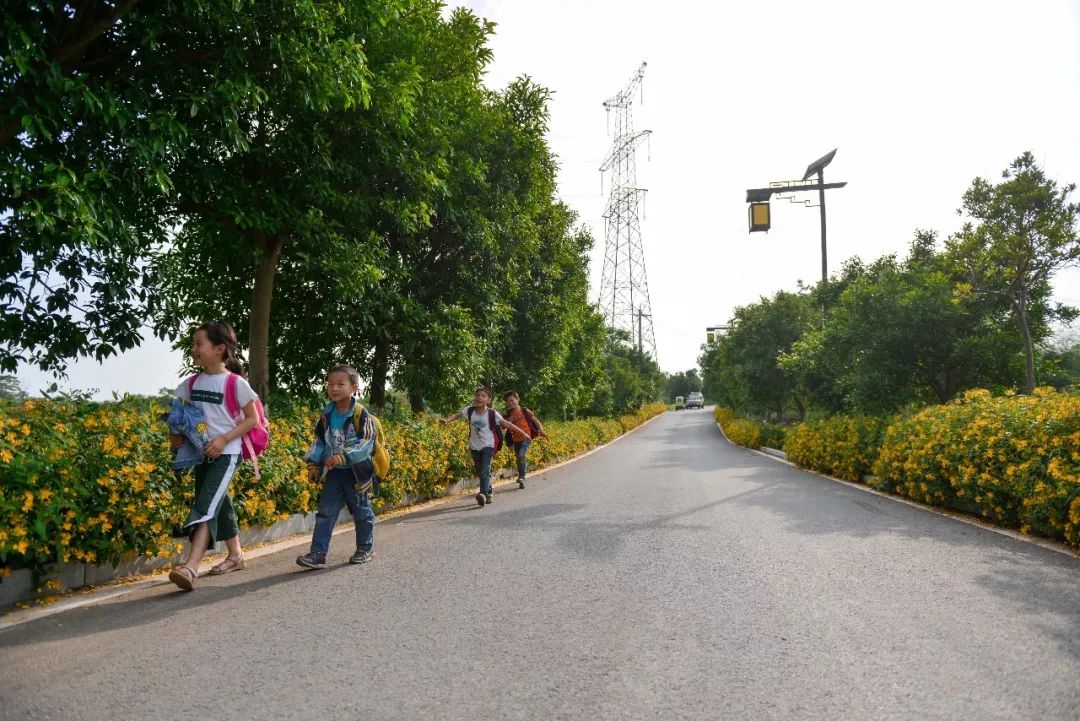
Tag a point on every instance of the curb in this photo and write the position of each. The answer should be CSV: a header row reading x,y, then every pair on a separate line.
x,y
96,594
1045,543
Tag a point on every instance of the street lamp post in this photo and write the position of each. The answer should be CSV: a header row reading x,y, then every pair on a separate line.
x,y
758,198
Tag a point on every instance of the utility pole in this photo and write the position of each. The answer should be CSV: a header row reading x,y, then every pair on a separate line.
x,y
624,287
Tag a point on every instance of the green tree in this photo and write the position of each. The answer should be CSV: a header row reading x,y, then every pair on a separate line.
x,y
902,332
244,213
548,296
743,371
633,378
10,390
1022,231
88,121
682,384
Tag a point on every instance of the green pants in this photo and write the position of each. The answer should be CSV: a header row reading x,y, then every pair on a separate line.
x,y
212,504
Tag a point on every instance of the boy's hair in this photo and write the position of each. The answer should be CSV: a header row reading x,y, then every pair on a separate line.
x,y
354,377
508,394
485,390
219,332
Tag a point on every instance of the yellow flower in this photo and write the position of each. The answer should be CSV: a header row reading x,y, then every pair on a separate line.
x,y
28,500
25,429
6,456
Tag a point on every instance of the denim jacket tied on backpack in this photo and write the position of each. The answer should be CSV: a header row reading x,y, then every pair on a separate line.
x,y
186,421
355,447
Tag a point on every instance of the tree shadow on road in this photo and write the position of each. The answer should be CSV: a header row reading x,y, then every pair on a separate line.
x,y
1035,581
148,606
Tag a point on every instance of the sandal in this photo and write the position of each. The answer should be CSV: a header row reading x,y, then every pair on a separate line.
x,y
183,577
228,566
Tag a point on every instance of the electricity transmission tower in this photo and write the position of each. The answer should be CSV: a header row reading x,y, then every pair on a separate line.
x,y
624,289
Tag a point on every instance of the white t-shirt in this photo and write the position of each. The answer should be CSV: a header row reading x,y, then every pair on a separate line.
x,y
480,435
209,394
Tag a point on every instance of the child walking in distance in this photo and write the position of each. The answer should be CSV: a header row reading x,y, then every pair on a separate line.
x,y
485,438
341,457
527,421
212,518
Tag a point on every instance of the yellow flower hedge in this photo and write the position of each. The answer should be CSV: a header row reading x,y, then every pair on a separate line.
x,y
738,429
1012,459
841,446
91,483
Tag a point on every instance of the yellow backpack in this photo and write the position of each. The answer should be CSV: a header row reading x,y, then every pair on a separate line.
x,y
380,455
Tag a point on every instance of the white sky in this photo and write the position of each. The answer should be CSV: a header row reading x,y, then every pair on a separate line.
x,y
919,98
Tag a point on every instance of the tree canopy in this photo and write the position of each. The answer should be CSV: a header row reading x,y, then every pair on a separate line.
x,y
335,179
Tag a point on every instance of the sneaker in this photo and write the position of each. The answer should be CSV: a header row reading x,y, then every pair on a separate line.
x,y
361,556
312,560
488,498
521,483
481,499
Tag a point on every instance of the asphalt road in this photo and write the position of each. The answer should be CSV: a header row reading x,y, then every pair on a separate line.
x,y
669,576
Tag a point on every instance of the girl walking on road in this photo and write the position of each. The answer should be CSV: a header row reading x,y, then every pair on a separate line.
x,y
212,518
485,437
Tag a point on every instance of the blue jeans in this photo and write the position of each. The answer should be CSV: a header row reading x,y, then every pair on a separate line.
x,y
339,490
520,449
482,463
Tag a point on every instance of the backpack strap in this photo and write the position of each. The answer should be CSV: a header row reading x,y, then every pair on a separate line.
x,y
191,384
231,404
496,432
359,416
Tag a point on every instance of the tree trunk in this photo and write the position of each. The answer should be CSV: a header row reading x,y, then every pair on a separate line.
x,y
940,386
1029,351
416,401
801,406
379,368
259,329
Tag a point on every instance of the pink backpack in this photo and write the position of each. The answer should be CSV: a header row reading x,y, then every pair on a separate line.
x,y
255,441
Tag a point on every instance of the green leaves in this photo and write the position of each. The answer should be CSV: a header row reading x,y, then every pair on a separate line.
x,y
1022,231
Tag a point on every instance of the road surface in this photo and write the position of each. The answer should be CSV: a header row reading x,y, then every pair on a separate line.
x,y
671,575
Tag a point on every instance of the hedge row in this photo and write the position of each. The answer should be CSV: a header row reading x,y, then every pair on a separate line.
x,y
91,482
1014,460
738,429
841,446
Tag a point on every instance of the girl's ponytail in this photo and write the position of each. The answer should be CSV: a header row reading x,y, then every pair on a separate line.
x,y
220,332
233,364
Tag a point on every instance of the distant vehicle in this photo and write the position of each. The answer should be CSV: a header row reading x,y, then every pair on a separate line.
x,y
680,403
695,400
